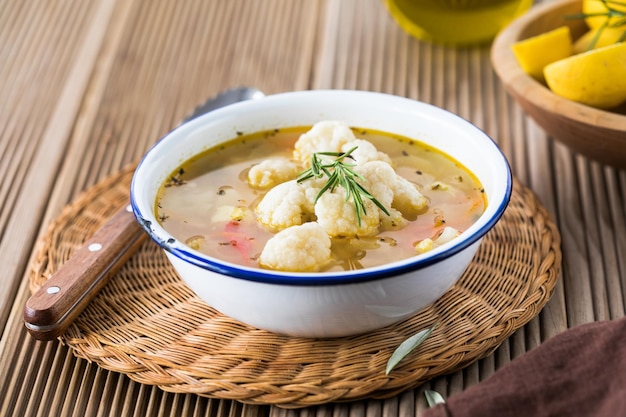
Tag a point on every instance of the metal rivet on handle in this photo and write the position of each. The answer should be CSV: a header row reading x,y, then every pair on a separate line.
x,y
94,247
53,290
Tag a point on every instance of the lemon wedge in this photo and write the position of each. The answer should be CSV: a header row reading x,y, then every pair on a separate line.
x,y
607,36
596,78
534,53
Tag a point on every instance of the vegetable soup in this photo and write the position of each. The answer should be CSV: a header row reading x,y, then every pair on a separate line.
x,y
322,198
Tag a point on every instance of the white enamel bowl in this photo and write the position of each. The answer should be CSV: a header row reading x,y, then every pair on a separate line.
x,y
325,304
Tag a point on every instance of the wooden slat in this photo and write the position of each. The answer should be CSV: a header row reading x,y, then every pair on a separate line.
x,y
65,184
166,72
46,113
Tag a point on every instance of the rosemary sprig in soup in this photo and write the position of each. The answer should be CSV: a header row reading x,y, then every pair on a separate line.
x,y
340,173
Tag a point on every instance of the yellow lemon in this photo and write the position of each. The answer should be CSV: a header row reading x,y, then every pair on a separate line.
x,y
596,78
534,53
607,36
597,6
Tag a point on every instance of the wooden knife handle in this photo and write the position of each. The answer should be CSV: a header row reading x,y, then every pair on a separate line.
x,y
50,310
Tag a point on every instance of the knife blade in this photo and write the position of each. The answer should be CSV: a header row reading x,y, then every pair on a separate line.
x,y
61,299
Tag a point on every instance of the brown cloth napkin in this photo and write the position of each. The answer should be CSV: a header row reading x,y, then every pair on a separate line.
x,y
578,373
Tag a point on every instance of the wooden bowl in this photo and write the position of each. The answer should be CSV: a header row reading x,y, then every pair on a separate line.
x,y
597,134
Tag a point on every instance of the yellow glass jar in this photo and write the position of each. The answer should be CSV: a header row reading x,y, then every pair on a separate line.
x,y
455,22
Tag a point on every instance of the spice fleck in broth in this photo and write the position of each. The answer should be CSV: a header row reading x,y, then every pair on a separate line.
x,y
217,202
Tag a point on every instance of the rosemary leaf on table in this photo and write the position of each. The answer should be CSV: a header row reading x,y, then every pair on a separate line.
x,y
407,347
433,398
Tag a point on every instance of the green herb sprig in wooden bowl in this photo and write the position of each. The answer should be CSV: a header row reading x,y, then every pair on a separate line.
x,y
606,20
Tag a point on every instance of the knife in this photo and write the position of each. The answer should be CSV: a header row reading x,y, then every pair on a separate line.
x,y
57,303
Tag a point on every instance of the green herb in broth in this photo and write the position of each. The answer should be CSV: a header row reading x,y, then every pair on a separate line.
x,y
339,173
212,206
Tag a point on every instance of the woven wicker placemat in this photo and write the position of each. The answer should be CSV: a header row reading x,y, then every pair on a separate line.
x,y
148,325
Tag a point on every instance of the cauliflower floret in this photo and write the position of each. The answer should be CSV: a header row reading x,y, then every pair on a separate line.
x,y
338,217
272,172
380,178
407,198
400,197
288,204
365,152
303,248
327,136
392,190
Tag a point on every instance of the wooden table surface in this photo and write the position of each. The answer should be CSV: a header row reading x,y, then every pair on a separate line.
x,y
87,86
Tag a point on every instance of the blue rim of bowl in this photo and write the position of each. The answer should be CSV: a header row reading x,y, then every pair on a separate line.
x,y
181,251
